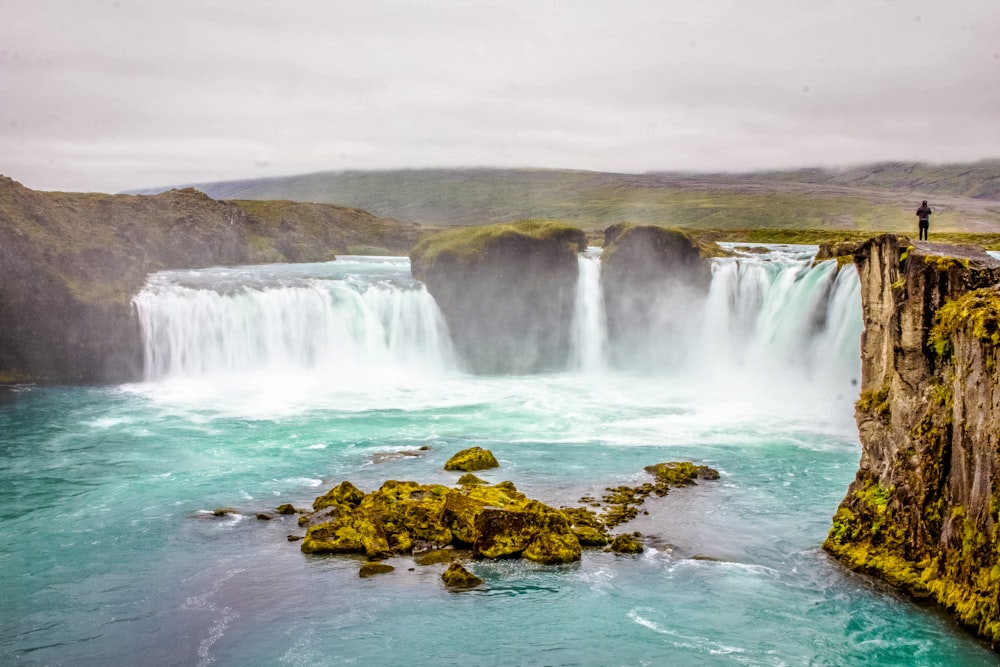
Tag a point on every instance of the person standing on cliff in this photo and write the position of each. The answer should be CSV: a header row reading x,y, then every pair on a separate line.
x,y
924,216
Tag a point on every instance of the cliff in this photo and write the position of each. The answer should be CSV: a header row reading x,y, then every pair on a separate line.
x,y
507,292
70,264
649,275
922,512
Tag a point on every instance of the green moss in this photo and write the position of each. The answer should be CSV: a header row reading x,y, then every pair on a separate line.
x,y
876,402
466,245
976,312
468,479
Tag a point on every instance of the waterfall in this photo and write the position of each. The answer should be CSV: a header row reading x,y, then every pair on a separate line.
x,y
773,318
589,333
240,322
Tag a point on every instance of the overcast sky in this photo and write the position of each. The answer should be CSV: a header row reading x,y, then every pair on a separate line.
x,y
108,95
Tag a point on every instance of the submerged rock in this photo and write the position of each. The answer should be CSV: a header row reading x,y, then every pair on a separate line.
x,y
370,569
621,503
474,458
626,544
457,576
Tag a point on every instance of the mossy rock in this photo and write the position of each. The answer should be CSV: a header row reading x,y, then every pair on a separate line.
x,y
678,473
553,549
287,508
474,458
536,532
344,493
456,576
626,544
372,568
468,479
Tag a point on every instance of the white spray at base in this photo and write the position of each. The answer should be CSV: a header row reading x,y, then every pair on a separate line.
x,y
774,323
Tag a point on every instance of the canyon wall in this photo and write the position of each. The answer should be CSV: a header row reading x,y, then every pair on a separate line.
x,y
507,292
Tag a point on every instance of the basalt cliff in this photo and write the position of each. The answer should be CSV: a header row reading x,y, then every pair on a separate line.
x,y
70,264
922,512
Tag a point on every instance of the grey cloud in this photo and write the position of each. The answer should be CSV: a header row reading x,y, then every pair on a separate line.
x,y
128,94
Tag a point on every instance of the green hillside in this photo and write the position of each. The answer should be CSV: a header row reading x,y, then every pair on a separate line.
x,y
874,198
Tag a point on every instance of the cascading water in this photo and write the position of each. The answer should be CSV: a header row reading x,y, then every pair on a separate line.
x,y
761,313
345,318
589,334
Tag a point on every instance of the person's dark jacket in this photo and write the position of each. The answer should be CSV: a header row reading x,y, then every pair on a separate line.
x,y
924,212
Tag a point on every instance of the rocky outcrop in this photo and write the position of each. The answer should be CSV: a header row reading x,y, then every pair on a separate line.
x,y
70,264
922,512
507,292
652,278
494,521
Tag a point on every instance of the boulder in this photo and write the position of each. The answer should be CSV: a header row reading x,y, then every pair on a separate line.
x,y
457,576
372,568
345,494
626,544
474,458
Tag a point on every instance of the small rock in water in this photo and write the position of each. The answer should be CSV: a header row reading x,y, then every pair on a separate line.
x,y
295,538
224,511
626,544
370,569
473,458
457,576
287,508
264,516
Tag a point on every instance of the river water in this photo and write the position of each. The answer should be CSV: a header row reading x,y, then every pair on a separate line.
x,y
268,385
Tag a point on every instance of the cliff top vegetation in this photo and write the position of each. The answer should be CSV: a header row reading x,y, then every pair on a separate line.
x,y
466,244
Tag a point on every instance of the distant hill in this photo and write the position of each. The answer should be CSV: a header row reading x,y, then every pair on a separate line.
x,y
877,197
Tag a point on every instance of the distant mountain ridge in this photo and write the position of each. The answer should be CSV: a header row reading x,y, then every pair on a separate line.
x,y
875,197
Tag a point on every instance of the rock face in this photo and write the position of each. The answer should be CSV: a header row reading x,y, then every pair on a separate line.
x,y
922,512
507,292
652,278
70,264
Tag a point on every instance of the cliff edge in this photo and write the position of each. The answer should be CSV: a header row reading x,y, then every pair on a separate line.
x,y
922,512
